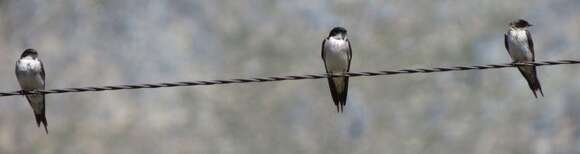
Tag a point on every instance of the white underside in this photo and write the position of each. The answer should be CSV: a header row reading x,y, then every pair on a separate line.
x,y
518,46
28,74
336,54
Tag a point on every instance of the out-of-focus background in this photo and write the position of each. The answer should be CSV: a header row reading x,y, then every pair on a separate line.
x,y
109,42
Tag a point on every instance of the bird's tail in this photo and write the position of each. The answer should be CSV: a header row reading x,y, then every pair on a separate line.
x,y
41,118
344,94
531,76
338,89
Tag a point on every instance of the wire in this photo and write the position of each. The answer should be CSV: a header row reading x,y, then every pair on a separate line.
x,y
290,77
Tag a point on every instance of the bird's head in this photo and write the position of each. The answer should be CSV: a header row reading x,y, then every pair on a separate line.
x,y
338,32
520,23
29,52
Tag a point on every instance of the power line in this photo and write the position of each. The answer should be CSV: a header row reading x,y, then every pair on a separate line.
x,y
290,77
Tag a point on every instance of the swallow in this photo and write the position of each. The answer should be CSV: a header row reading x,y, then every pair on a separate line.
x,y
336,54
30,75
520,46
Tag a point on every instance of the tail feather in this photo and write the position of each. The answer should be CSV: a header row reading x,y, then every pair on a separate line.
x,y
338,95
334,94
39,113
529,72
41,118
344,94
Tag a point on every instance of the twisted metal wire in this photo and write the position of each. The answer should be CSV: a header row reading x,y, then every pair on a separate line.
x,y
290,77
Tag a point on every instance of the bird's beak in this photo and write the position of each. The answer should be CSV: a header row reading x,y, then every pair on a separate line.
x,y
530,25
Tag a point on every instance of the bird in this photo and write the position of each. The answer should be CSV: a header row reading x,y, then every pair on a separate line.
x,y
520,46
337,54
31,77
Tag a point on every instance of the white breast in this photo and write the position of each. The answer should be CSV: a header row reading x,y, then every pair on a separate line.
x,y
518,45
336,53
28,73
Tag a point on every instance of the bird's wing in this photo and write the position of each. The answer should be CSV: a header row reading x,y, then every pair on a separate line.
x,y
531,44
349,54
42,74
322,54
322,49
505,41
16,68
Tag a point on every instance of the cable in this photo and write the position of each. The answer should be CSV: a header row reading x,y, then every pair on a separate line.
x,y
290,77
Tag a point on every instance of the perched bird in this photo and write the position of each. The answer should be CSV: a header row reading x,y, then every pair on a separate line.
x,y
336,54
520,46
30,74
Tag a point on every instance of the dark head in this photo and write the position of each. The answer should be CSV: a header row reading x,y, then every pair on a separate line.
x,y
337,31
29,52
520,23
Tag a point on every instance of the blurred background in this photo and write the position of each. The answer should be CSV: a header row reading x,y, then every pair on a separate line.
x,y
110,42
